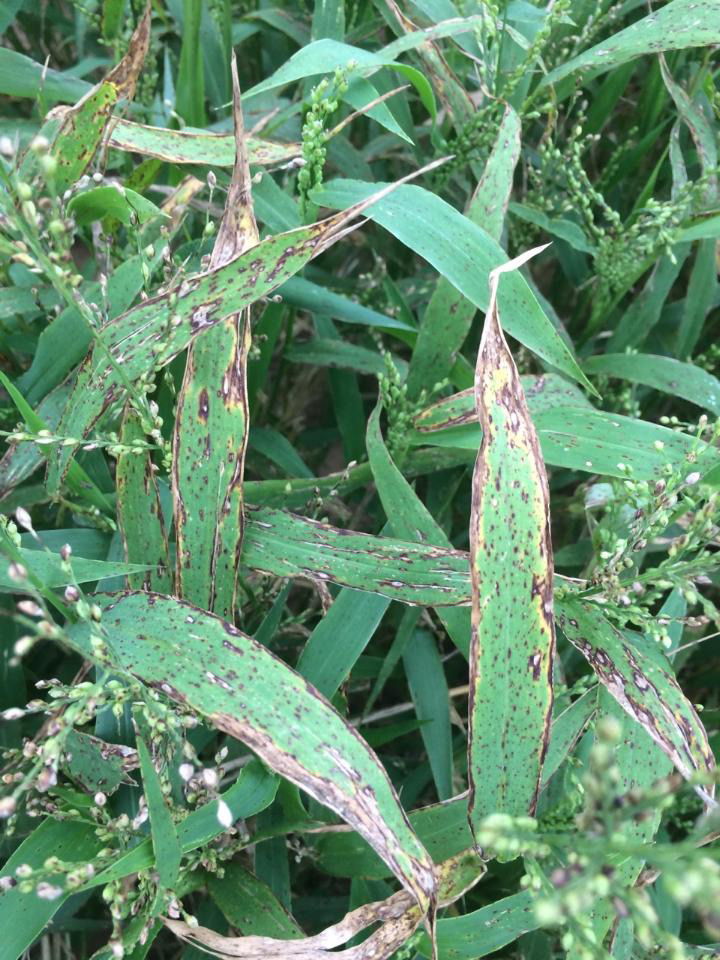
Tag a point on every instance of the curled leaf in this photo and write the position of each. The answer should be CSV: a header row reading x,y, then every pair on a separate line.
x,y
398,917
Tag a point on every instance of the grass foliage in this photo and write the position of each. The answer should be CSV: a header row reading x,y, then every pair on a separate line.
x,y
359,490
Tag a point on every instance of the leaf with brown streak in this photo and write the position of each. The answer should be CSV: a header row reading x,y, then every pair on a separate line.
x,y
641,679
200,661
150,335
399,917
513,641
212,422
81,127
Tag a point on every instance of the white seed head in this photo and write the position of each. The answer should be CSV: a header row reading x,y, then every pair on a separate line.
x,y
224,815
48,891
24,519
210,778
186,770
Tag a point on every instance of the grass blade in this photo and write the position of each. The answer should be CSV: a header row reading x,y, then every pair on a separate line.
x,y
449,314
140,515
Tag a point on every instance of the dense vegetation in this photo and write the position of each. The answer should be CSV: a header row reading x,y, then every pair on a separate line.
x,y
287,666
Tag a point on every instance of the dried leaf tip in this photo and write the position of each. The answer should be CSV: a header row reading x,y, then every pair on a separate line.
x,y
508,267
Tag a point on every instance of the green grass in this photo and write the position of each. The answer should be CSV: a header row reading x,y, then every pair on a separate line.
x,y
359,485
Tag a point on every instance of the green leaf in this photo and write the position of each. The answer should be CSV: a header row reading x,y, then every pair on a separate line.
x,y
700,298
429,692
333,647
166,844
423,222
22,77
408,517
671,376
513,641
639,677
140,514
324,352
190,99
641,765
250,905
325,56
252,792
198,659
23,916
48,567
113,201
677,25
449,315
483,931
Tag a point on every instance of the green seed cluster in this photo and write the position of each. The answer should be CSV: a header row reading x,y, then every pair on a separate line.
x,y
324,102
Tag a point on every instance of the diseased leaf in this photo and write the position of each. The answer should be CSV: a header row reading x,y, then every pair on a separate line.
x,y
542,393
194,146
81,127
212,423
19,465
679,24
398,915
283,544
642,682
513,641
443,827
198,659
593,441
140,515
153,333
92,764
250,905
